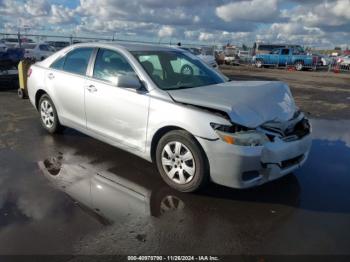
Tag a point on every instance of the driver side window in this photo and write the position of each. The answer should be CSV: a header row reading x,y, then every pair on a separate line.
x,y
109,65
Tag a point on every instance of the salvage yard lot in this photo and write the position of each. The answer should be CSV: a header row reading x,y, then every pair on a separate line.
x,y
322,94
37,217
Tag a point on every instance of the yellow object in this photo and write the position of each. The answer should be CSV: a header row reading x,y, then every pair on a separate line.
x,y
23,68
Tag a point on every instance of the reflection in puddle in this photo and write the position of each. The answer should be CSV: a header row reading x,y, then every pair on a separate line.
x,y
331,131
108,195
110,192
325,177
116,189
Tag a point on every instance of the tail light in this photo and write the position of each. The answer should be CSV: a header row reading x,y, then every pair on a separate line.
x,y
29,72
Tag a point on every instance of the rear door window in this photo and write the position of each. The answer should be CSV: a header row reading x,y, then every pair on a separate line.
x,y
58,64
77,61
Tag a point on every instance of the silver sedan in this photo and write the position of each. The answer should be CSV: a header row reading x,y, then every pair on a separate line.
x,y
167,106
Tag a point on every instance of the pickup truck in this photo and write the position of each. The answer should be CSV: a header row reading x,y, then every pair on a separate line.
x,y
286,56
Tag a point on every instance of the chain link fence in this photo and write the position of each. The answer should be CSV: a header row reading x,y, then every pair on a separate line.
x,y
314,63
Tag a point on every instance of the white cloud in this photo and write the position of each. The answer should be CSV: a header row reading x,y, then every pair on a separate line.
x,y
203,36
323,14
311,22
341,8
255,10
37,7
166,31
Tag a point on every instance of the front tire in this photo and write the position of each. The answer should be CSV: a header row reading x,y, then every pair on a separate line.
x,y
48,115
182,162
299,66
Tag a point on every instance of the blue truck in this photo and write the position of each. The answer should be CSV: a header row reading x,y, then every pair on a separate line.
x,y
287,57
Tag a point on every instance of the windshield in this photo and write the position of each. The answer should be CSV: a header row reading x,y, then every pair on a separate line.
x,y
177,70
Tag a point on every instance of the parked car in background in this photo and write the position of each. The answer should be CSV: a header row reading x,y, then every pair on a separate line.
x,y
262,48
196,128
220,57
323,60
58,45
13,42
9,60
3,47
344,60
232,59
10,42
244,56
208,58
286,56
37,51
326,60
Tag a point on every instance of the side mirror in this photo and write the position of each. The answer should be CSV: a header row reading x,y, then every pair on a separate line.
x,y
129,81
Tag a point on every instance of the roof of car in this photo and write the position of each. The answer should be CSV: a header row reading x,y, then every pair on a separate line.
x,y
131,46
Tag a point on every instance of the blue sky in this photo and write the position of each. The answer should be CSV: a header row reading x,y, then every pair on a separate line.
x,y
318,23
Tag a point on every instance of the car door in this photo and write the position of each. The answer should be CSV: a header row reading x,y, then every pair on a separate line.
x,y
284,56
115,112
272,58
66,81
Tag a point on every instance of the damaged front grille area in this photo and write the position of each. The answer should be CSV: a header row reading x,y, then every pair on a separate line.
x,y
291,162
292,132
301,129
286,163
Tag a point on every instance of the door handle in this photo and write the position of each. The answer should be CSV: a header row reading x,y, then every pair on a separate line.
x,y
51,76
91,88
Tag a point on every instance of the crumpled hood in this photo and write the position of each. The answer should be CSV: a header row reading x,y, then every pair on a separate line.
x,y
247,103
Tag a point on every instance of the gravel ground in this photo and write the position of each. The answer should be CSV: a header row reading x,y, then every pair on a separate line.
x,y
322,94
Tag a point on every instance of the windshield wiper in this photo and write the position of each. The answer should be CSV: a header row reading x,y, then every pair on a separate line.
x,y
180,87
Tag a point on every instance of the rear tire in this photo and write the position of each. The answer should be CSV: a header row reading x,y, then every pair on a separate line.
x,y
259,63
182,162
48,115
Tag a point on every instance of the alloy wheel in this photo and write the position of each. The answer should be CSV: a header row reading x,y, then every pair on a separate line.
x,y
47,114
178,162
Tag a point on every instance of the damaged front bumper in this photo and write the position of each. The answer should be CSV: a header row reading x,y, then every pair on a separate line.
x,y
249,166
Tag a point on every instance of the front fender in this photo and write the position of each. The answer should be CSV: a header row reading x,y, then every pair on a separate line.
x,y
196,121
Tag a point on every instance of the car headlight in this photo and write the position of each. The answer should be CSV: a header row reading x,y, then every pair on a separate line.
x,y
240,136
